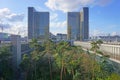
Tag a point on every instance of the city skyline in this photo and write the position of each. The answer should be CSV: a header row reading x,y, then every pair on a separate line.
x,y
104,15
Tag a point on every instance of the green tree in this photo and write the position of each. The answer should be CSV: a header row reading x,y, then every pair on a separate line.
x,y
5,63
113,76
95,47
49,51
25,65
30,63
61,50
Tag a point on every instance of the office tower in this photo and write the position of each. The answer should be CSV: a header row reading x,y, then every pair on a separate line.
x,y
38,24
73,23
78,25
31,11
86,23
81,26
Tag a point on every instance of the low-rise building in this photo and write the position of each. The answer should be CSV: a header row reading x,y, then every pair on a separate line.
x,y
61,37
115,38
52,37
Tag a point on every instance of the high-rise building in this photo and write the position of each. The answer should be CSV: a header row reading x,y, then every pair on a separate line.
x,y
38,24
73,23
78,25
86,23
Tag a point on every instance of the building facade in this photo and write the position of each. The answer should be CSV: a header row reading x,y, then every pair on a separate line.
x,y
38,24
78,25
61,37
73,23
85,23
4,36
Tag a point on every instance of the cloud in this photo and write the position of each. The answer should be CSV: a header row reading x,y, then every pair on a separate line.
x,y
114,34
4,25
97,33
58,27
12,23
15,17
53,16
4,12
7,15
58,24
71,5
18,28
104,2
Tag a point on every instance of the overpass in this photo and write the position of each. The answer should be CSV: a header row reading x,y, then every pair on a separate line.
x,y
112,50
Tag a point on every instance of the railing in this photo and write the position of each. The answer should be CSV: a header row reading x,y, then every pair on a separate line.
x,y
112,50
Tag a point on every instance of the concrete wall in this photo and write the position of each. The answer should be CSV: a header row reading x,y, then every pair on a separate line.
x,y
112,50
16,50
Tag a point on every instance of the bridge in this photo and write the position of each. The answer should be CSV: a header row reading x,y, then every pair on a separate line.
x,y
112,50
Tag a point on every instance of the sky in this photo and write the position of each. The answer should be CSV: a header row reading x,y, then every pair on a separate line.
x,y
104,15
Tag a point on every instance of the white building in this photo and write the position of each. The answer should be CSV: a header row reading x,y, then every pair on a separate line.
x,y
115,38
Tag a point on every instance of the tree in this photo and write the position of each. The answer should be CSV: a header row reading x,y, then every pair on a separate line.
x,y
66,62
30,62
113,76
25,65
6,71
49,50
105,67
95,47
61,50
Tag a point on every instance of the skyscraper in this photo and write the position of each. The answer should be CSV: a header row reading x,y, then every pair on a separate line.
x,y
86,23
78,25
73,22
38,24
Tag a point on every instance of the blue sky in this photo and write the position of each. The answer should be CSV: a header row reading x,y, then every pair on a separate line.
x,y
104,15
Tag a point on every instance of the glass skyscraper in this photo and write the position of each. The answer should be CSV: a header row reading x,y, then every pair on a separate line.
x,y
38,24
86,23
73,25
78,25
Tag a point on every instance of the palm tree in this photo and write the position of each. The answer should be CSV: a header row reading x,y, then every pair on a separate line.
x,y
95,46
61,50
67,58
36,54
49,50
